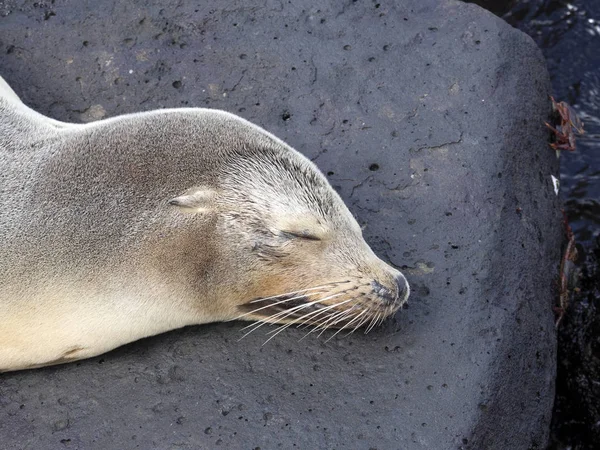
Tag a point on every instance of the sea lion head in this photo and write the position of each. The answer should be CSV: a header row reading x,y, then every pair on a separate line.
x,y
288,250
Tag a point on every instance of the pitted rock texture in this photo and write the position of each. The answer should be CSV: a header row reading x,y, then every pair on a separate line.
x,y
427,117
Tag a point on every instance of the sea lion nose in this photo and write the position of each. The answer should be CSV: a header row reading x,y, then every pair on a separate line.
x,y
392,296
388,296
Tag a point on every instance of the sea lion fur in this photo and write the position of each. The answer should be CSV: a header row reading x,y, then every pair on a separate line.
x,y
134,225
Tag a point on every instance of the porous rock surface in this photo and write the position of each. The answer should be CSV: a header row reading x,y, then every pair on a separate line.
x,y
427,117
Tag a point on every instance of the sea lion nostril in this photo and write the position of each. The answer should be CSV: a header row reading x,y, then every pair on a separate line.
x,y
386,294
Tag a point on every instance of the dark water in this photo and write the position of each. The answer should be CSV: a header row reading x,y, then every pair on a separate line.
x,y
568,32
569,35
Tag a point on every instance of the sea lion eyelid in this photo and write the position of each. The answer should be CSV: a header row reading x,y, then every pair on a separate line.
x,y
305,234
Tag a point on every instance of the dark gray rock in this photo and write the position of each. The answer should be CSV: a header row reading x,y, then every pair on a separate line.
x,y
428,119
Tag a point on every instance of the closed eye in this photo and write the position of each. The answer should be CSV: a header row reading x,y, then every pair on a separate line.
x,y
300,234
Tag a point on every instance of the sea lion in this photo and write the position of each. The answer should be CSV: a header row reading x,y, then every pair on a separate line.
x,y
131,226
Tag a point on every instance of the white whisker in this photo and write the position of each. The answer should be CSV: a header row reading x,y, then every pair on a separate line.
x,y
284,313
308,320
329,317
348,324
311,322
299,307
360,324
275,304
285,300
283,327
255,326
280,329
318,313
349,312
325,309
268,320
372,324
290,293
335,319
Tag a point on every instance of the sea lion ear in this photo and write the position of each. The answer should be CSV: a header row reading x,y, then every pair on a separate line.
x,y
194,200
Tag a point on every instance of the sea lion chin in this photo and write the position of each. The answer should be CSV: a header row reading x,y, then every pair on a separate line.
x,y
131,226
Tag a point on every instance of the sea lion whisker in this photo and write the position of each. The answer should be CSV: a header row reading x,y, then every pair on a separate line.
x,y
348,324
326,311
305,317
280,329
277,331
295,309
335,319
285,313
373,323
287,300
368,327
357,326
323,310
318,326
350,312
304,305
270,305
255,326
284,326
293,322
311,321
329,317
262,299
260,323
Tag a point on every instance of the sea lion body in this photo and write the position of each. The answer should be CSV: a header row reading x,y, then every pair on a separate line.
x,y
135,225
